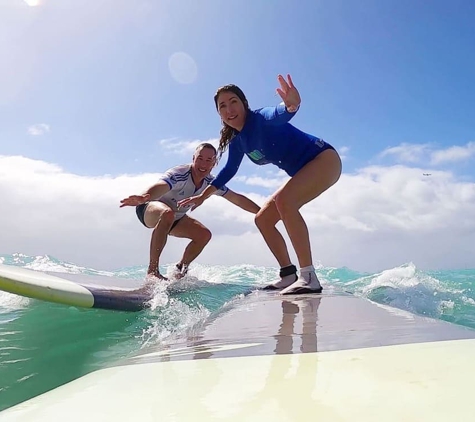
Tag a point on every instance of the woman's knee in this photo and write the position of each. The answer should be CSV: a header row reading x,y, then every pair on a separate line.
x,y
284,205
266,218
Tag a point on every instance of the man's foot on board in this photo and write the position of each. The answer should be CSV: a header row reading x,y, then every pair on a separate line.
x,y
307,283
180,270
288,276
153,277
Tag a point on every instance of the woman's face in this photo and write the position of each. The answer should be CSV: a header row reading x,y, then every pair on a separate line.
x,y
232,110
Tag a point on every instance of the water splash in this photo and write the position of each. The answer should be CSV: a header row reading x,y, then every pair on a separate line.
x,y
408,288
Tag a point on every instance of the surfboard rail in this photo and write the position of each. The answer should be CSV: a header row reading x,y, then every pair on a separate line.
x,y
63,289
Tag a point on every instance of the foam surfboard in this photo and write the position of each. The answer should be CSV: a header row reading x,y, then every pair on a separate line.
x,y
329,357
75,289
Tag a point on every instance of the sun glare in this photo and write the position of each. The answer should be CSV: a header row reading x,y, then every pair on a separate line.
x,y
33,3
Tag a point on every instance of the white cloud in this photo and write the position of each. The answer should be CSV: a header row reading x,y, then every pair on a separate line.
x,y
38,129
453,154
180,146
343,151
47,210
269,183
377,218
427,153
274,178
407,153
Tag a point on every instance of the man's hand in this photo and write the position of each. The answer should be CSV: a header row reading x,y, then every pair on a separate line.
x,y
134,200
196,201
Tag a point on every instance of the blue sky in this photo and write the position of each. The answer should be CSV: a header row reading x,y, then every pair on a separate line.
x,y
125,87
372,74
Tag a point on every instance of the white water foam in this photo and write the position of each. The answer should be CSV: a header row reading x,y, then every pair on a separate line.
x,y
10,302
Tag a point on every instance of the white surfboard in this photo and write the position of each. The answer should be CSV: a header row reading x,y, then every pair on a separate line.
x,y
329,357
75,289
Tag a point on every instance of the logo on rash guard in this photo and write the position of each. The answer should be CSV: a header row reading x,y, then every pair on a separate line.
x,y
256,155
320,142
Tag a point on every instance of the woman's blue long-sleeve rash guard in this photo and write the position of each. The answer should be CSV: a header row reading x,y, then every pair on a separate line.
x,y
268,137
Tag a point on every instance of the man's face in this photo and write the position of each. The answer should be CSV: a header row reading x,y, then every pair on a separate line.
x,y
203,161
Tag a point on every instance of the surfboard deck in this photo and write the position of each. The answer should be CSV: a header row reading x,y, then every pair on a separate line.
x,y
79,290
331,357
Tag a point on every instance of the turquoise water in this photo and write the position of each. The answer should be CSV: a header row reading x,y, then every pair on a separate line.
x,y
43,345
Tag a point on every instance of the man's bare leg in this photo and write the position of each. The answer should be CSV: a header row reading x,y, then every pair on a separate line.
x,y
160,217
189,228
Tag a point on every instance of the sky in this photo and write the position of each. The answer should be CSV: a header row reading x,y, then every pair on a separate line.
x,y
100,97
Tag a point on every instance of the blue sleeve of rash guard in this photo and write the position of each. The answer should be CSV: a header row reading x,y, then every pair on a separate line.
x,y
230,169
276,115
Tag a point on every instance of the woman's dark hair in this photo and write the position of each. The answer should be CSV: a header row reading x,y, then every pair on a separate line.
x,y
227,132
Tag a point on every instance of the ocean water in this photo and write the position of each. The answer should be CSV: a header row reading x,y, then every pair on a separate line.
x,y
44,345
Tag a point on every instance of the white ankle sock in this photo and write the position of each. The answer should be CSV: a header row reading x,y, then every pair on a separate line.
x,y
288,279
308,269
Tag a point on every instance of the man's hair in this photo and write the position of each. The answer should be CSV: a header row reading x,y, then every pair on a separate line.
x,y
204,145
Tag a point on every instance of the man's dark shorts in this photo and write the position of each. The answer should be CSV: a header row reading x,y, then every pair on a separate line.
x,y
140,210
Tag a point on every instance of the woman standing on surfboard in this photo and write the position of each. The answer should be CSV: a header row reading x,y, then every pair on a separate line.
x,y
266,136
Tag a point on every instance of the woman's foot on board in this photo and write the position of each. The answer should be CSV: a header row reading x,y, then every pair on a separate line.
x,y
307,283
288,276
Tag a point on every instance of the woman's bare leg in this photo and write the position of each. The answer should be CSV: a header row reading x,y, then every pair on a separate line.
x,y
311,181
